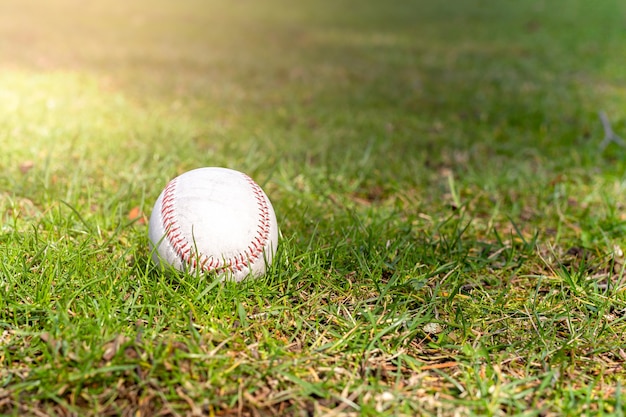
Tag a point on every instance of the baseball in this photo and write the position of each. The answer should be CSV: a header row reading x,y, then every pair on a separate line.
x,y
214,220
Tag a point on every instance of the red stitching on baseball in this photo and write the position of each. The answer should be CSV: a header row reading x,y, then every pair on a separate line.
x,y
183,248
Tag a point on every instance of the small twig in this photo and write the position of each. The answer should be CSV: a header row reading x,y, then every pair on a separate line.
x,y
195,410
609,135
443,365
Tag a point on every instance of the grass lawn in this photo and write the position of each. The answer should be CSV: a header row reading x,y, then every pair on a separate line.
x,y
452,234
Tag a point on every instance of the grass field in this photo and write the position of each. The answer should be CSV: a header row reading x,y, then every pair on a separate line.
x,y
452,232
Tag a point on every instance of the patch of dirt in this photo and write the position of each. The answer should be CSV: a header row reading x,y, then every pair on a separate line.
x,y
17,213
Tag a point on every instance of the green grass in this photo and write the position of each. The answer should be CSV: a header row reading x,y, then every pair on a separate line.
x,y
451,231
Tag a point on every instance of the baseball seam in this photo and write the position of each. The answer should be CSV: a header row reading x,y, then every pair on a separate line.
x,y
184,248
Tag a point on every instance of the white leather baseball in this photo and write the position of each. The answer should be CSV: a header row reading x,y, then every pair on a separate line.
x,y
216,220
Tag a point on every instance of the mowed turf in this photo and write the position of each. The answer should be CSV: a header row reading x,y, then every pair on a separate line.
x,y
452,232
